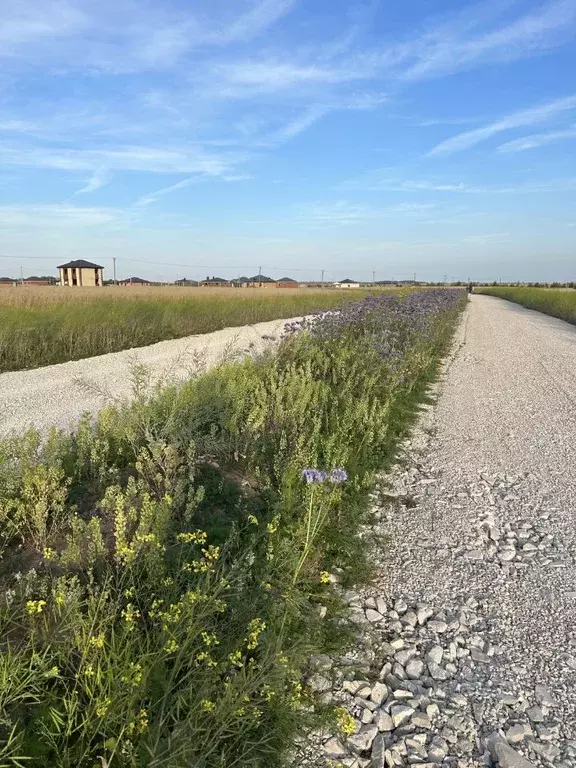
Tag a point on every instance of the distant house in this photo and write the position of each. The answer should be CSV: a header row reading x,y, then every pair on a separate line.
x,y
347,283
81,273
36,280
135,281
185,283
214,282
8,281
287,282
258,281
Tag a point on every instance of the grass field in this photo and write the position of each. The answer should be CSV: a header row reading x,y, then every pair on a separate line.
x,y
165,569
41,326
558,302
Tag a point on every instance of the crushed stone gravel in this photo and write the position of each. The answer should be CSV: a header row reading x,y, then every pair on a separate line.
x,y
59,394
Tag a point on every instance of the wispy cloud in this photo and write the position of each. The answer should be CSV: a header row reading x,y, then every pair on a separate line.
x,y
384,181
154,196
538,140
23,217
450,48
99,179
129,158
520,119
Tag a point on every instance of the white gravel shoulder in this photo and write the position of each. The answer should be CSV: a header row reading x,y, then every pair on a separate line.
x,y
59,394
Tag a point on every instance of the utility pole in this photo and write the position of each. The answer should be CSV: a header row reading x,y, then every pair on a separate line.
x,y
414,278
323,278
114,269
22,275
373,277
445,278
260,277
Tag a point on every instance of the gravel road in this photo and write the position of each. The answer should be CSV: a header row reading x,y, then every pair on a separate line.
x,y
59,394
466,649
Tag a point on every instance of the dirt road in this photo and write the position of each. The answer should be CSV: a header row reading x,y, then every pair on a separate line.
x,y
59,394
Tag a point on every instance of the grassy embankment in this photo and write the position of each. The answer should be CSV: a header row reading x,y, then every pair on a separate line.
x,y
165,570
558,302
53,325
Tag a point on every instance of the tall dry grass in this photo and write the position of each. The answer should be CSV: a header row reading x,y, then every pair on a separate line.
x,y
558,302
41,326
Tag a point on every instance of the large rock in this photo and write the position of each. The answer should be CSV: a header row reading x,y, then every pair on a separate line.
x,y
401,714
362,741
384,721
502,752
334,749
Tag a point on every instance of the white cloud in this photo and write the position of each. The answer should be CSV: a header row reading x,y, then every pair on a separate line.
x,y
154,196
257,19
22,217
99,179
128,158
449,49
531,116
538,140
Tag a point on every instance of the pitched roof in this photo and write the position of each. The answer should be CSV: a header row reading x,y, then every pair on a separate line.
x,y
214,280
286,280
134,280
347,280
262,279
80,264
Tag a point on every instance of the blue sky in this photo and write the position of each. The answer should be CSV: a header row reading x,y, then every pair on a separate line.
x,y
300,135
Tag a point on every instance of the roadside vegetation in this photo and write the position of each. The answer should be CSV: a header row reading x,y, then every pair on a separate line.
x,y
166,569
558,302
53,325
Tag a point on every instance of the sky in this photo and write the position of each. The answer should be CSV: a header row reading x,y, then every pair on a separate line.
x,y
216,137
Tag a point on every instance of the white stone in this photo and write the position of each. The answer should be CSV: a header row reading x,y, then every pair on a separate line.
x,y
362,741
334,749
379,693
415,669
401,714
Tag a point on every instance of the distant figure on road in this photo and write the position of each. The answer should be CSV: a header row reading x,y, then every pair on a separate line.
x,y
470,287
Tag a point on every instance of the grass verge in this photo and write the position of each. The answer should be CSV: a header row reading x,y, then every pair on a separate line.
x,y
166,569
42,328
558,302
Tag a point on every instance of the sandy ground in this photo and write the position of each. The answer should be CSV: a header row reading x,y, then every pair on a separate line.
x,y
59,394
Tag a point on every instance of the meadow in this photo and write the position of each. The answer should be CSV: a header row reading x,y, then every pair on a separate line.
x,y
558,302
42,326
167,568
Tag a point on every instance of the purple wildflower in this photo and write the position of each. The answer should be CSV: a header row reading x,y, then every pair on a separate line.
x,y
314,476
338,476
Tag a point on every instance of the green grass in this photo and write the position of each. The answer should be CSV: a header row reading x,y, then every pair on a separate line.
x,y
50,330
162,568
558,302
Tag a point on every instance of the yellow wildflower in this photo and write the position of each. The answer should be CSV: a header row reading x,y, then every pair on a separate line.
x,y
207,706
97,641
35,606
325,577
196,537
171,646
346,723
252,519
255,629
102,707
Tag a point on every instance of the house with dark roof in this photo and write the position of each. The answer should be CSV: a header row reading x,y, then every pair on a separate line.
x,y
135,281
7,281
81,273
185,283
347,283
287,282
214,282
